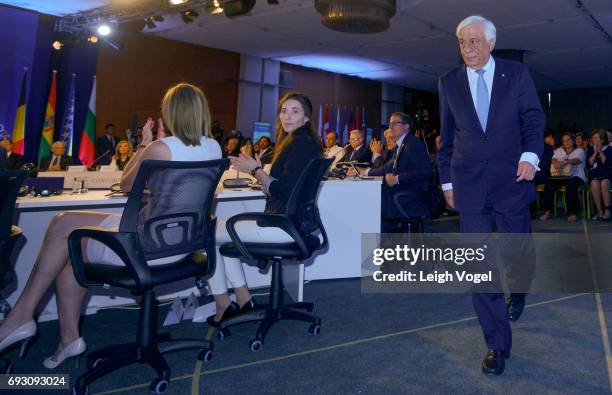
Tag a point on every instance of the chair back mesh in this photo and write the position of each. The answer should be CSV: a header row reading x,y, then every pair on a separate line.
x,y
302,203
170,204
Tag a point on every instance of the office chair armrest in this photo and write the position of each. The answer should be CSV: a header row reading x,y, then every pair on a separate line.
x,y
124,244
272,220
398,195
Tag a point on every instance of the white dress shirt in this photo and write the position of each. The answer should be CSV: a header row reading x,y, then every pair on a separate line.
x,y
472,75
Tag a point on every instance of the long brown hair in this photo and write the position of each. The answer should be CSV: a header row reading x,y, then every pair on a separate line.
x,y
283,138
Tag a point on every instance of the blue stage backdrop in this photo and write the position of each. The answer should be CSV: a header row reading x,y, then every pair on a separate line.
x,y
26,42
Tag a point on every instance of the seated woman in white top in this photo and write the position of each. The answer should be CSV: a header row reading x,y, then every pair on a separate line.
x,y
187,115
568,160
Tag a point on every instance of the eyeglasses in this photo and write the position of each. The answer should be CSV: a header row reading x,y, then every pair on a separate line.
x,y
392,124
355,138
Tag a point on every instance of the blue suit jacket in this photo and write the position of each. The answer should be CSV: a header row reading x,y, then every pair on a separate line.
x,y
482,166
413,166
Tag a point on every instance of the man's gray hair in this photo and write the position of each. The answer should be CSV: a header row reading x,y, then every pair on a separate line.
x,y
489,28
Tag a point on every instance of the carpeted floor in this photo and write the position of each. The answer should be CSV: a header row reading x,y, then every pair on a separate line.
x,y
374,344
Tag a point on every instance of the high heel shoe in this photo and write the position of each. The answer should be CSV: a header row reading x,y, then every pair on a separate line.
x,y
230,311
23,334
75,349
249,306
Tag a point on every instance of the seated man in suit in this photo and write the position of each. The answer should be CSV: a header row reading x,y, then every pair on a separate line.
x,y
382,153
332,149
358,151
13,161
409,169
106,145
2,158
266,151
58,160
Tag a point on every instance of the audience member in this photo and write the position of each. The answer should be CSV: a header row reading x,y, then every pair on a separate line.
x,y
266,151
183,105
247,148
581,141
408,169
382,153
58,160
549,138
567,161
123,154
332,149
546,161
298,143
217,132
358,151
107,144
232,147
599,158
13,161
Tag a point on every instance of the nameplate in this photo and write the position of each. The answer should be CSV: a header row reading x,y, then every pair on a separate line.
x,y
94,179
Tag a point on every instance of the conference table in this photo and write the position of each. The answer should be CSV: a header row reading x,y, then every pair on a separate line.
x,y
348,208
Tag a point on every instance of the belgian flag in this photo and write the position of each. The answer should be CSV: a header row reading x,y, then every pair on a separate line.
x,y
18,135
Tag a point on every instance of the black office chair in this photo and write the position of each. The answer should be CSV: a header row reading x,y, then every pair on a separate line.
x,y
10,183
302,222
168,213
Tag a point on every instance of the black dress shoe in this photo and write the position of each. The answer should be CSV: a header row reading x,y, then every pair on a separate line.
x,y
515,306
230,311
495,362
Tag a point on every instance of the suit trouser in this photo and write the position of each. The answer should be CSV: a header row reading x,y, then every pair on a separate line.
x,y
491,306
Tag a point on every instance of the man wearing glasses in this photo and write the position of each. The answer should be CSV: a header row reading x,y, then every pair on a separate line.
x,y
492,129
408,169
358,151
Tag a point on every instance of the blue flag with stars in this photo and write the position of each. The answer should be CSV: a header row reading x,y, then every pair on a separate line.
x,y
67,129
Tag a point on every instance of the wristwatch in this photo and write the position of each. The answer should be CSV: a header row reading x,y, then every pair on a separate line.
x,y
255,170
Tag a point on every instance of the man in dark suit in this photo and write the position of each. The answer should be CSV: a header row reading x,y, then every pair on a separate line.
x,y
14,161
2,158
408,169
58,160
266,151
358,151
492,129
106,145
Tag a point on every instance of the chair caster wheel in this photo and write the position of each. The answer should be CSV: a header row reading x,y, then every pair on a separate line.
x,y
158,386
80,391
315,329
205,356
223,333
256,345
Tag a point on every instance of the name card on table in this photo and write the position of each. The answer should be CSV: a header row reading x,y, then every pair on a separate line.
x,y
94,179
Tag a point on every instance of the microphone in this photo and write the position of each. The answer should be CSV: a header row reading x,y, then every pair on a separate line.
x,y
98,158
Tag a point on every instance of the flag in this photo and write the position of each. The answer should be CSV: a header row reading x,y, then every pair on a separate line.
x,y
44,149
18,135
338,120
357,119
86,147
326,120
351,122
363,120
320,128
68,124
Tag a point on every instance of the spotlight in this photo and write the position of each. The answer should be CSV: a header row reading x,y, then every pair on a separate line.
x,y
104,30
176,2
150,23
189,16
93,39
213,7
57,45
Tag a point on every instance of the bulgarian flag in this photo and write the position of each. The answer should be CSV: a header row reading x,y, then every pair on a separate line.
x,y
44,149
86,147
18,135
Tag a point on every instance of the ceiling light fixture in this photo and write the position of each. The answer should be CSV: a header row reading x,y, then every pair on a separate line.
x,y
356,16
189,16
176,2
57,45
213,7
93,39
104,30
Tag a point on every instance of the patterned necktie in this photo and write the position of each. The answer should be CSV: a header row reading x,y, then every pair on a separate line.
x,y
482,100
395,154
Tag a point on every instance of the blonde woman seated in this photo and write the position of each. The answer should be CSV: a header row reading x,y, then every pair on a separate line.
x,y
186,112
123,154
